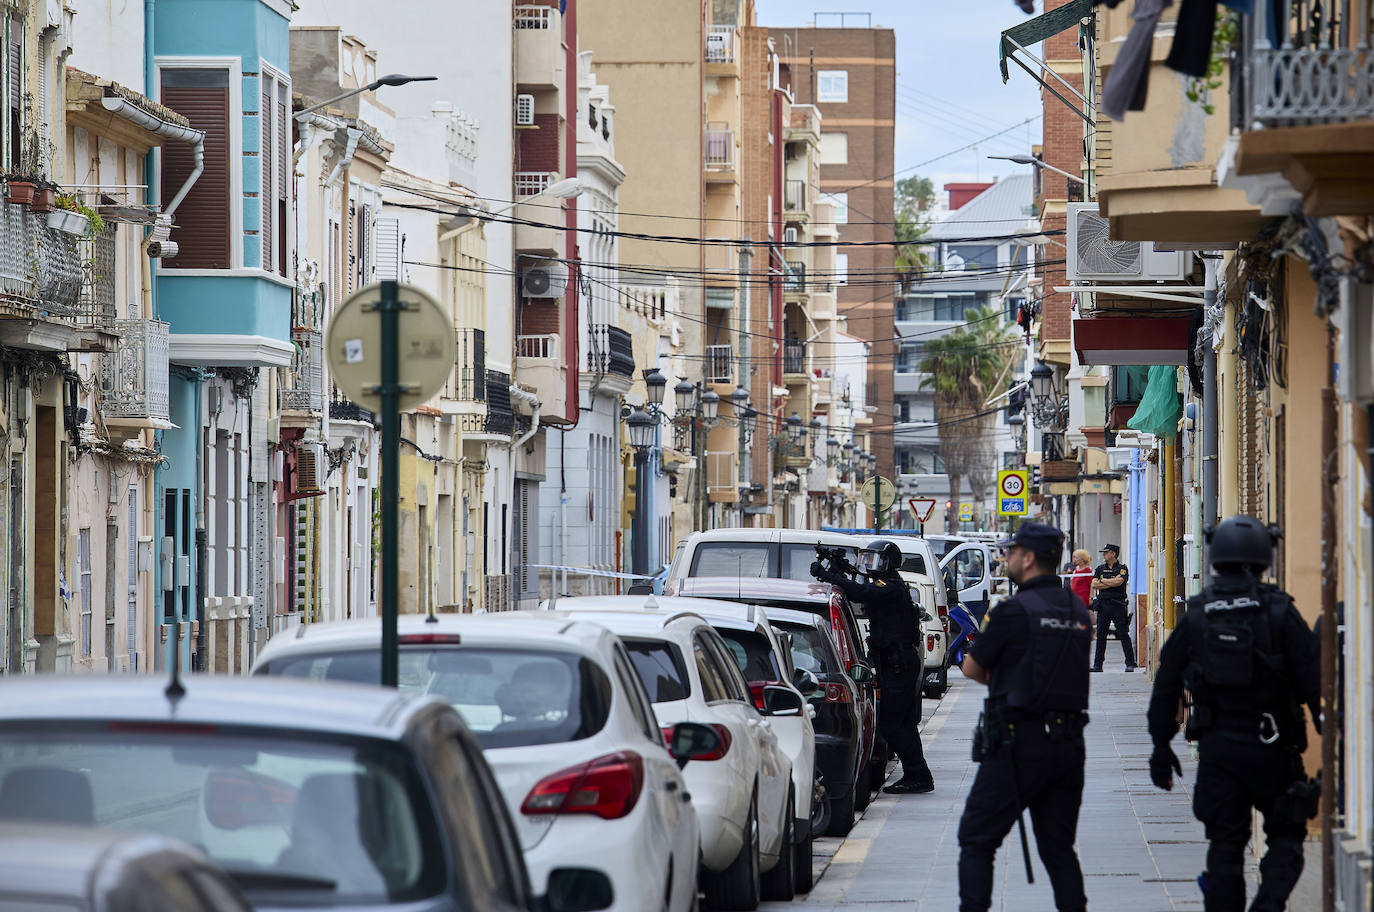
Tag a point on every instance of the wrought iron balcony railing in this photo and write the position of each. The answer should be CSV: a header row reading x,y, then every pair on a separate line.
x,y
133,378
303,387
720,148
612,351
470,373
794,196
720,44
796,277
341,408
794,357
41,267
720,364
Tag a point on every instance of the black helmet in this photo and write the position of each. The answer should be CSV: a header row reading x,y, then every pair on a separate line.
x,y
1241,541
880,556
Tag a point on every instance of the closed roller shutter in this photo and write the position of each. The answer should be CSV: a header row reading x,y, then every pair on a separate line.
x,y
202,220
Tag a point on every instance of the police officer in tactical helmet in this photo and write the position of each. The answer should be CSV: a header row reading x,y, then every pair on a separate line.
x,y
893,623
1248,661
1033,655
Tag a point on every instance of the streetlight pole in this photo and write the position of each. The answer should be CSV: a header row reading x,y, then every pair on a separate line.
x,y
393,79
389,310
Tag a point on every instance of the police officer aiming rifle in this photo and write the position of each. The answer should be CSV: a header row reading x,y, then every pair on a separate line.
x,y
892,625
1248,661
1033,655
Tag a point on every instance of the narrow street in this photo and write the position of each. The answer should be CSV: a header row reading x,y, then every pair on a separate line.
x,y
1141,848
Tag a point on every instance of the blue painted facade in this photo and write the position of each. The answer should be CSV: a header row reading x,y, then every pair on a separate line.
x,y
234,303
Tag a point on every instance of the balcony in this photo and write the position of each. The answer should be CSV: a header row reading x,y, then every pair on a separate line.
x,y
794,283
1305,103
500,417
539,367
794,368
133,378
540,60
530,234
301,395
719,153
794,200
612,351
720,44
908,381
470,371
720,364
341,408
58,291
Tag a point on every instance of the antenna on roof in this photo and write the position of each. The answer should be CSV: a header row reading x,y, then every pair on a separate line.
x,y
431,619
651,603
175,690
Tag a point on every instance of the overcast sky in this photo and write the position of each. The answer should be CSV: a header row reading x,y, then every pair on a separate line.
x,y
949,89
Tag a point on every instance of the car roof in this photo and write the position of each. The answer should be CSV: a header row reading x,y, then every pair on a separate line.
x,y
731,588
795,617
475,629
55,862
293,704
631,615
797,536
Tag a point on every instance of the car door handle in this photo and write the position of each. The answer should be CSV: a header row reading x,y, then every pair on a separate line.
x,y
671,785
686,796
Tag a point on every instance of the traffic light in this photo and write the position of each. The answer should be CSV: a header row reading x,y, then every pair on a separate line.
x,y
949,505
627,496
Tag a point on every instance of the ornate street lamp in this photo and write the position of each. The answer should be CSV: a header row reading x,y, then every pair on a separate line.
x,y
710,406
832,449
640,426
684,392
739,399
655,383
794,427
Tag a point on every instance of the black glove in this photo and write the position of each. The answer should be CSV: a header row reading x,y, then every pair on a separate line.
x,y
1163,766
817,568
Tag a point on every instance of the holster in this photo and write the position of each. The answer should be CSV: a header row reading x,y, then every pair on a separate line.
x,y
990,735
1300,803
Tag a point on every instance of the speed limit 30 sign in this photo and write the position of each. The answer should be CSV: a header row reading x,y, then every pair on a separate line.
x,y
1011,492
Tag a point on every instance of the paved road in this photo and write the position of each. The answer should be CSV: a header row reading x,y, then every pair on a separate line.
x,y
1140,847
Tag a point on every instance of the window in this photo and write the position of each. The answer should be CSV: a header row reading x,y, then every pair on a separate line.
x,y
83,568
732,559
832,85
14,77
834,148
274,157
635,696
841,203
661,669
524,110
202,232
730,674
841,269
713,683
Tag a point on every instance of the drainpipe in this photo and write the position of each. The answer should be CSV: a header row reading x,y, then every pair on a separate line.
x,y
1166,544
1210,415
1228,494
117,105
533,402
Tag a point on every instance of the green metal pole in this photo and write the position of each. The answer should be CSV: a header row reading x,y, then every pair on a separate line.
x,y
390,391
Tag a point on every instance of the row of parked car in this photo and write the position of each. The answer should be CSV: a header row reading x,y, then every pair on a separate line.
x,y
628,752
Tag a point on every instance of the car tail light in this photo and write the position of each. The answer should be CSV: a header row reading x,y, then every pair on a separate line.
x,y
837,693
930,642
608,787
837,627
756,688
412,639
714,755
943,612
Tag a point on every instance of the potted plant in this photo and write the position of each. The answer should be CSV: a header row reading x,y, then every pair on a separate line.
x,y
44,195
19,189
75,217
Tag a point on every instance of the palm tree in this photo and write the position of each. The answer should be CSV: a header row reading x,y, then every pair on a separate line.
x,y
964,366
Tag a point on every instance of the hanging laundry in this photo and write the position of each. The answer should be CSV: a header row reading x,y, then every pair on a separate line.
x,y
1191,51
1129,80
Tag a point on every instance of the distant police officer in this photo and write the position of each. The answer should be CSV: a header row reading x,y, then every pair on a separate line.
x,y
893,623
1248,661
1109,587
1033,655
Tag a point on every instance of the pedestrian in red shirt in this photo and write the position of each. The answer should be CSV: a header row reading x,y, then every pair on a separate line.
x,y
1082,578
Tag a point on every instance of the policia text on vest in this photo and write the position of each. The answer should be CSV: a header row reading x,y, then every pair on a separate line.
x,y
1246,661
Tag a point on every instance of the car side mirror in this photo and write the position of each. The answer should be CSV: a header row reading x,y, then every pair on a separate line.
x,y
692,741
577,890
806,682
782,701
862,674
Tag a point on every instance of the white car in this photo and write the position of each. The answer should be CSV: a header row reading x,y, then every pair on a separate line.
x,y
565,724
752,554
934,635
763,658
744,798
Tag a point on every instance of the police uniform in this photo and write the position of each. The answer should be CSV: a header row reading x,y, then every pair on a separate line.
x,y
893,624
1111,609
1030,738
1248,660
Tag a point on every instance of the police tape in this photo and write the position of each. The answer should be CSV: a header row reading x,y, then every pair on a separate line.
x,y
588,571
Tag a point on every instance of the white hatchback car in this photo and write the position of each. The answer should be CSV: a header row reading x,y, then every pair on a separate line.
x,y
565,724
744,800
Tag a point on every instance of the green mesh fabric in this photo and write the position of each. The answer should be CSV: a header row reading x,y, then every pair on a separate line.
x,y
1161,406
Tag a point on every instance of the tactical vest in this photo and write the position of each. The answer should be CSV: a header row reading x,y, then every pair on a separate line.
x,y
1053,674
894,622
1237,677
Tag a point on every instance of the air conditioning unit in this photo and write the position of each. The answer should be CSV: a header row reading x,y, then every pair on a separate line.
x,y
311,467
544,279
1094,257
524,110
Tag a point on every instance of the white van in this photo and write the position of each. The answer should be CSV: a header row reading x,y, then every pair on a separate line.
x,y
752,554
968,564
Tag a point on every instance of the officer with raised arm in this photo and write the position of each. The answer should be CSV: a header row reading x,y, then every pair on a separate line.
x,y
1248,662
1033,655
893,625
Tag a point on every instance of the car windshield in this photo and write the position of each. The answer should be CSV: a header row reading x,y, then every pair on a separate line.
x,y
661,668
293,819
735,559
507,697
752,653
811,649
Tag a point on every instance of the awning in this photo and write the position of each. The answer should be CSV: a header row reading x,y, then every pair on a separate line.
x,y
1132,340
1032,32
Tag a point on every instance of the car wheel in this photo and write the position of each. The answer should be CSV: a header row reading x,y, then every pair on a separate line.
x,y
778,883
737,888
803,877
820,815
842,812
863,784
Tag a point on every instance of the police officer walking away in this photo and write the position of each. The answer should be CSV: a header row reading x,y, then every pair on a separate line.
x,y
1248,661
893,624
1110,582
1033,655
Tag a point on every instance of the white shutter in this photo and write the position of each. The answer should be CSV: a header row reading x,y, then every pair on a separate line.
x,y
388,241
524,110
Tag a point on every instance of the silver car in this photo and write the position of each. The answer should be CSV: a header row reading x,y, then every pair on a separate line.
x,y
308,795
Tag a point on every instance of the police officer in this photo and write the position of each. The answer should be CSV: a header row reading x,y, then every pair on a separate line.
x,y
1248,660
1033,655
893,623
1109,584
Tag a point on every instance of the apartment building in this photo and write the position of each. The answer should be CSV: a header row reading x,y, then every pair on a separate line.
x,y
849,74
